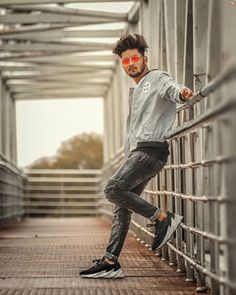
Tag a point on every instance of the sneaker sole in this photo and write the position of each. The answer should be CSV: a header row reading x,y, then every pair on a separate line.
x,y
106,275
176,222
116,274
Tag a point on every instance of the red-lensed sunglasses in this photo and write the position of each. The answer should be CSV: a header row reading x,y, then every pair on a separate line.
x,y
127,60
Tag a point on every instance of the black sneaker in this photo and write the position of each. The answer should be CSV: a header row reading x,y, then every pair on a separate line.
x,y
165,229
102,269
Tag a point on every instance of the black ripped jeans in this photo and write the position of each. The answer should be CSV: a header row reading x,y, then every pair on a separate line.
x,y
124,189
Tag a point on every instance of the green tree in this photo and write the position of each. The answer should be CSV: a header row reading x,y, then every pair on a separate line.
x,y
83,151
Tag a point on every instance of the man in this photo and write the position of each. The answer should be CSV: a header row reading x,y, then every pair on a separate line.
x,y
152,110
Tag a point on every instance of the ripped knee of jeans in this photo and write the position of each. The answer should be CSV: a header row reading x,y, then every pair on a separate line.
x,y
114,191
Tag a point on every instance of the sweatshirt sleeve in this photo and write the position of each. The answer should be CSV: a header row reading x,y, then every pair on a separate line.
x,y
169,89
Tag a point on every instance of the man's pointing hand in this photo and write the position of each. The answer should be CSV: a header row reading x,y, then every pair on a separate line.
x,y
186,93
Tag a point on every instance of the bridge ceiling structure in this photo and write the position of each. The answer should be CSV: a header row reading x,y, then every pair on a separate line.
x,y
54,49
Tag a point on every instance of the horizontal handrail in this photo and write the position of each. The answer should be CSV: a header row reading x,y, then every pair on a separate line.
x,y
210,114
62,192
225,76
61,171
57,179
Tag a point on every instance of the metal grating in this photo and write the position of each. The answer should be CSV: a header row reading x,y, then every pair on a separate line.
x,y
36,258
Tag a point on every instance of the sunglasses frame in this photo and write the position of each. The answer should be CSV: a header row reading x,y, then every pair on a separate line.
x,y
130,59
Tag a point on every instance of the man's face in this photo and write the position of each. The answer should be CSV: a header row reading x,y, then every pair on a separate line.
x,y
133,62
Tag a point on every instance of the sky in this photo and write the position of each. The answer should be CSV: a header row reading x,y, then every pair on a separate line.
x,y
42,125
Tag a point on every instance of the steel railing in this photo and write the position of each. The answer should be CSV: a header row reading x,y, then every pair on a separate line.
x,y
194,184
62,192
11,192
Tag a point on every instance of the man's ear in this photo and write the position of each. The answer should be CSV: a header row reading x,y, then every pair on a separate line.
x,y
145,59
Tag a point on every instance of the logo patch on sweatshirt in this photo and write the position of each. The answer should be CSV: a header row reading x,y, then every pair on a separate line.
x,y
146,87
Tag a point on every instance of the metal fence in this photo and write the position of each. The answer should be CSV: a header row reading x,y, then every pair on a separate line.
x,y
192,40
197,182
62,193
11,192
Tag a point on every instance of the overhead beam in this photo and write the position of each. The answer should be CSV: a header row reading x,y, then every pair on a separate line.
x,y
31,79
42,76
133,14
19,56
70,11
48,77
57,96
49,18
54,85
48,69
77,57
32,29
73,80
59,75
56,34
23,2
61,47
73,66
62,77
65,89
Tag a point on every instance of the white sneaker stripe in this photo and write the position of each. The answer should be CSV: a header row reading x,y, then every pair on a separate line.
x,y
106,274
171,229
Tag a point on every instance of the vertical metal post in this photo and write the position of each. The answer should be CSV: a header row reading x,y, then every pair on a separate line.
x,y
154,25
200,208
169,14
162,55
180,20
171,199
178,201
189,207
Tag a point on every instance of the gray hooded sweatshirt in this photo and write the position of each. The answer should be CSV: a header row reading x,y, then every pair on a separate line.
x,y
152,109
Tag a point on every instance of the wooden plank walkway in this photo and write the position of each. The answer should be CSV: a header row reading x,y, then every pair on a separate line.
x,y
45,256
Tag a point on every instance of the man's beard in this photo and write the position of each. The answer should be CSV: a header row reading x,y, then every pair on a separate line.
x,y
134,75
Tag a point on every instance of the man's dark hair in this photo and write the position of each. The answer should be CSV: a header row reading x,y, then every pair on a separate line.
x,y
130,41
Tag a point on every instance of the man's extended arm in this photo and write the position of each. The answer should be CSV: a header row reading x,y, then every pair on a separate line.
x,y
171,90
